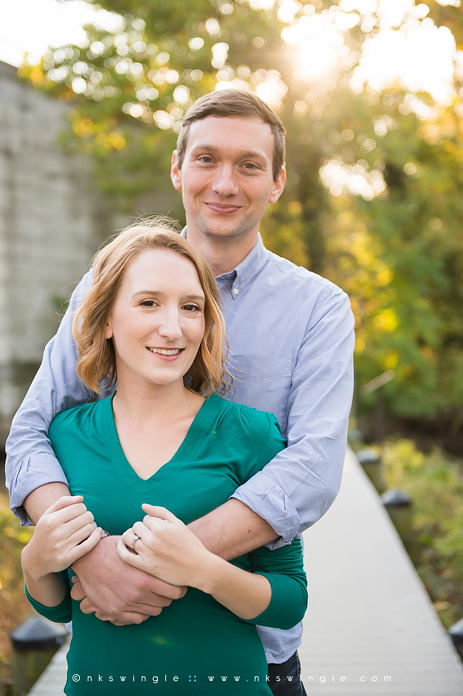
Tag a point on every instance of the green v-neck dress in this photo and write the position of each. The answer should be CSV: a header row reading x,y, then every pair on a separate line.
x,y
195,646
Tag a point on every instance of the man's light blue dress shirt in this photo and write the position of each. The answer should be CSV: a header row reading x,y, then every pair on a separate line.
x,y
291,342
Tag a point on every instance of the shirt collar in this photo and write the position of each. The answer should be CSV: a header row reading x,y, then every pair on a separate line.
x,y
236,280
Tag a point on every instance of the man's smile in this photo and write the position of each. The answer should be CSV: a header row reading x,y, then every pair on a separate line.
x,y
224,209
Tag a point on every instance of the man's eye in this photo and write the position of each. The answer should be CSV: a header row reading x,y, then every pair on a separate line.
x,y
250,165
205,159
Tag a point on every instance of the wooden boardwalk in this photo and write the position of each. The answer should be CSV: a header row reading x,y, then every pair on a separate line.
x,y
370,618
370,629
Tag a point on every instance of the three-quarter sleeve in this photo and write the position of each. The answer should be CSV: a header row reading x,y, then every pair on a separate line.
x,y
62,613
284,570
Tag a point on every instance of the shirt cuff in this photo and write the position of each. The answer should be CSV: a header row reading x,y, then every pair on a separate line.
x,y
268,500
34,472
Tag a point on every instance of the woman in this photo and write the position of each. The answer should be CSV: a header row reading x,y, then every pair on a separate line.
x,y
167,444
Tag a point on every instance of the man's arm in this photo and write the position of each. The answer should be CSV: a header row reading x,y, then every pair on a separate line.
x,y
30,461
42,498
299,485
232,530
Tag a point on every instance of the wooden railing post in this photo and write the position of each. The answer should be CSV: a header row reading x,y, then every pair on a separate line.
x,y
34,644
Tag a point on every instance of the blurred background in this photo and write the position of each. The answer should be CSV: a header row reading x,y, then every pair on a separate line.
x,y
371,93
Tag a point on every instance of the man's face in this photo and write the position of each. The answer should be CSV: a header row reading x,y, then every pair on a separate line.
x,y
226,177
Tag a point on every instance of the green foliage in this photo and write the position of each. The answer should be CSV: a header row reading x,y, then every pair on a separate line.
x,y
435,482
397,251
415,327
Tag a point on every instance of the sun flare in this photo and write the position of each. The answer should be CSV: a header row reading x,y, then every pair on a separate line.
x,y
316,56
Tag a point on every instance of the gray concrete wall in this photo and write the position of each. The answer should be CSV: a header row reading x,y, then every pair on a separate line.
x,y
48,231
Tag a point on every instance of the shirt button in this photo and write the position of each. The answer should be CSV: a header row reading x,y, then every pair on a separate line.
x,y
235,291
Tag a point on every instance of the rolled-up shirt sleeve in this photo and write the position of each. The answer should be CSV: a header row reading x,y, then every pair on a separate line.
x,y
299,485
30,461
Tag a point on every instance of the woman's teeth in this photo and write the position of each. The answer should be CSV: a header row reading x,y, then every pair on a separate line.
x,y
165,351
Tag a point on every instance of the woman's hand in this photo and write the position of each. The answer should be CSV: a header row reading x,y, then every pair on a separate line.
x,y
165,548
65,532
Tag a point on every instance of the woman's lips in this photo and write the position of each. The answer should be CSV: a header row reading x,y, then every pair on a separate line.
x,y
168,354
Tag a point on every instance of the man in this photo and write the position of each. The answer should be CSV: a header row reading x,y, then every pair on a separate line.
x,y
291,341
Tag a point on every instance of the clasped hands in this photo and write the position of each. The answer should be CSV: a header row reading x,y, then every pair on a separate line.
x,y
112,581
128,586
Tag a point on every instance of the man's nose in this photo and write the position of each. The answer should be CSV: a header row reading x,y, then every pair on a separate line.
x,y
225,181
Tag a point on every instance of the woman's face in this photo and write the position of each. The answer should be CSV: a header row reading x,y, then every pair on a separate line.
x,y
157,321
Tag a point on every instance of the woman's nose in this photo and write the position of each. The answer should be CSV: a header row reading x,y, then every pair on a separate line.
x,y
170,326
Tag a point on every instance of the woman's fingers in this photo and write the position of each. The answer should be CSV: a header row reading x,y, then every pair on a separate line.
x,y
85,546
66,531
161,545
154,525
71,509
81,534
77,523
63,502
158,512
127,556
135,536
128,537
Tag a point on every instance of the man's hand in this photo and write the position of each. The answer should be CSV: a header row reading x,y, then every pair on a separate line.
x,y
115,591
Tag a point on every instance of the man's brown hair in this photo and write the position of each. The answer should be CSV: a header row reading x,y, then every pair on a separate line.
x,y
234,102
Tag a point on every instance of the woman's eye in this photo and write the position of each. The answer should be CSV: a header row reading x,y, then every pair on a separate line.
x,y
147,303
192,308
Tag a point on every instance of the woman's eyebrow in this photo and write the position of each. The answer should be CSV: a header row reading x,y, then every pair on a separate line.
x,y
198,298
147,292
160,293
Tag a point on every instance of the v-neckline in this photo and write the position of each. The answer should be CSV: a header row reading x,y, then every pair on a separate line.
x,y
124,467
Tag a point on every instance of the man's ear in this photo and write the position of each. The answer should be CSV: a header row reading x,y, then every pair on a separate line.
x,y
278,186
175,172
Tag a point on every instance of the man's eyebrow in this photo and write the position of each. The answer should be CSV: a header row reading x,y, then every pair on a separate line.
x,y
252,154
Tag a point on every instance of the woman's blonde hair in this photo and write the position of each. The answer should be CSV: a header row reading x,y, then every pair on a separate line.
x,y
96,364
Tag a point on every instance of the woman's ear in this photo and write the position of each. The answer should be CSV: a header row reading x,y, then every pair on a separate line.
x,y
108,332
